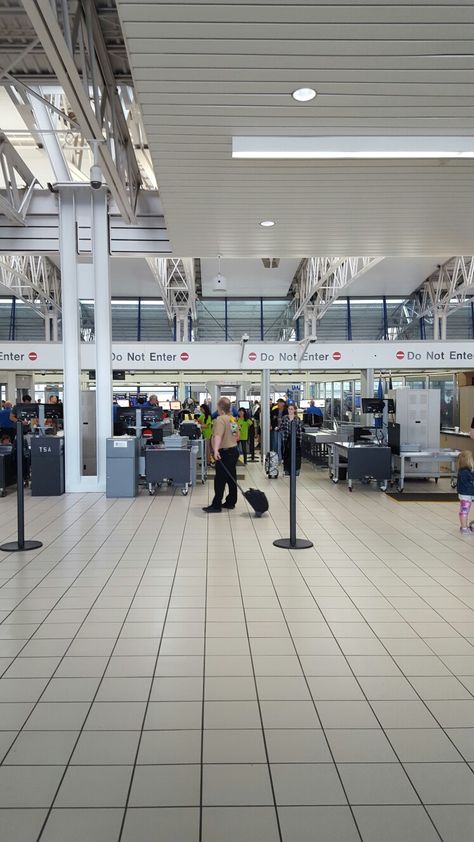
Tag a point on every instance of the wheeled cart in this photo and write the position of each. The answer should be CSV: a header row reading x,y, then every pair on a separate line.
x,y
427,464
361,462
175,467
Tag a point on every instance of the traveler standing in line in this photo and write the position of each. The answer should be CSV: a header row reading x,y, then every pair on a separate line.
x,y
245,423
205,422
225,436
256,411
286,439
277,413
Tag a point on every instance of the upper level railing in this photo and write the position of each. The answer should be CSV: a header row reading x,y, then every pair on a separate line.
x,y
270,320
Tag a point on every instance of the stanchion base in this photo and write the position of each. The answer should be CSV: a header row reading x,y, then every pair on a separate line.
x,y
14,547
285,544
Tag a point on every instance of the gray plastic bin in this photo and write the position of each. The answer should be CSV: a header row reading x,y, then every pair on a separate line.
x,y
122,467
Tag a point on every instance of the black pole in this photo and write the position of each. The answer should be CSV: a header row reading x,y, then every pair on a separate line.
x,y
293,543
293,484
20,545
20,487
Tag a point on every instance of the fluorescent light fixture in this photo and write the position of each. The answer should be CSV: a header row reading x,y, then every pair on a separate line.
x,y
353,147
267,223
304,94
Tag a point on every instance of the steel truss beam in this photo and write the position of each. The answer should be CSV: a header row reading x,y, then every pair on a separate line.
x,y
18,183
177,285
451,286
321,280
34,280
78,55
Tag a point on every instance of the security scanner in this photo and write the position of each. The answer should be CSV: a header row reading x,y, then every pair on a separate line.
x,y
310,419
415,438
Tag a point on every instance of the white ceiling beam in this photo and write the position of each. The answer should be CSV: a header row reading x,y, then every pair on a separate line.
x,y
92,94
19,183
323,279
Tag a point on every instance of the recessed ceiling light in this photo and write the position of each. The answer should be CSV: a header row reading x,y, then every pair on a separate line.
x,y
267,223
304,94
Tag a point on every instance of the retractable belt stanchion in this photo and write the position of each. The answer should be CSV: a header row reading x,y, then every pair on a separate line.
x,y
20,545
293,543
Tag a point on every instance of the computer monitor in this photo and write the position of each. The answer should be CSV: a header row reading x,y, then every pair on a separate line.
x,y
123,402
175,405
165,405
128,416
54,410
310,419
371,406
244,404
26,411
152,414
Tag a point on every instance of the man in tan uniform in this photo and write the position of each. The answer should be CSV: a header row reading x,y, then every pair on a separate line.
x,y
225,435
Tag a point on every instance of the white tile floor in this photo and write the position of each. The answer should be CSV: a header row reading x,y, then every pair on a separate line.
x,y
172,677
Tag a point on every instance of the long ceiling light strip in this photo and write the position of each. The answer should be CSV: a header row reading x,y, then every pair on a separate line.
x,y
352,147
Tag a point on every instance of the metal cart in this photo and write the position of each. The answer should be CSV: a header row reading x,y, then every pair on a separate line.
x,y
173,466
427,464
362,462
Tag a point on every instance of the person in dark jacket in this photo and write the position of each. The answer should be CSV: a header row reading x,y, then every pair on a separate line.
x,y
285,432
465,489
277,412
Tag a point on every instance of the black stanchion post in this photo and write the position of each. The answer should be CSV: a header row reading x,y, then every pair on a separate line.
x,y
20,545
293,543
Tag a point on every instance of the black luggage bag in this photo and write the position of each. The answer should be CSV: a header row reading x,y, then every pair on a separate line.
x,y
255,498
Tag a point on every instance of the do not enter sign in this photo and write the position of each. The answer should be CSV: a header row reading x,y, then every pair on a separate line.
x,y
32,356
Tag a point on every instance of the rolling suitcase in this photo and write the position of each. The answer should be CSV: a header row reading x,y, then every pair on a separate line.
x,y
255,498
271,464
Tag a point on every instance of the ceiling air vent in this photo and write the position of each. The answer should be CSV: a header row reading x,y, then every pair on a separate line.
x,y
271,262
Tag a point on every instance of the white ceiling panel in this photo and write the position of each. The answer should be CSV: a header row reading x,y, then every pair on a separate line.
x,y
248,277
398,276
207,71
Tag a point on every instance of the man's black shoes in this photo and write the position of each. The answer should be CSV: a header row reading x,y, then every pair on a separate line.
x,y
209,509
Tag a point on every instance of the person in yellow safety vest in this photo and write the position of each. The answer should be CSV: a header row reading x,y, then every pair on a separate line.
x,y
205,422
244,423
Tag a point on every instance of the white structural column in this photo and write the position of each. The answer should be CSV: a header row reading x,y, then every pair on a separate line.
x,y
71,338
103,328
265,413
214,393
366,390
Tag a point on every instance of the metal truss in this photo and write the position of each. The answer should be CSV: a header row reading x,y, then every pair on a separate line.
x,y
78,54
177,286
34,280
447,289
18,183
321,280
